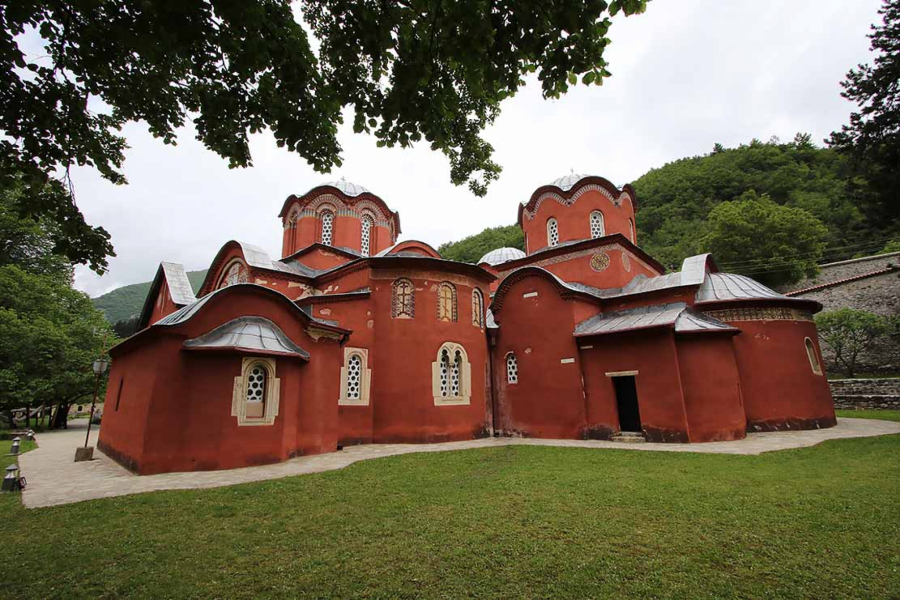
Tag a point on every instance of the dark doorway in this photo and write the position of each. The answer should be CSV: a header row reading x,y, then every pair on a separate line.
x,y
627,403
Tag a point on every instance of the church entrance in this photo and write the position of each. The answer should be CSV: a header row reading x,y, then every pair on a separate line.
x,y
627,403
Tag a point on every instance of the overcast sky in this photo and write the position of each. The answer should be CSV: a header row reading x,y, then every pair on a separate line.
x,y
686,75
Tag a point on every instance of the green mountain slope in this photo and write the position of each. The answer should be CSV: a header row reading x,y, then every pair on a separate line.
x,y
126,302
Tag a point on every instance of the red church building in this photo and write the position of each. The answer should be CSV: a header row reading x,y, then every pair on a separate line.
x,y
354,338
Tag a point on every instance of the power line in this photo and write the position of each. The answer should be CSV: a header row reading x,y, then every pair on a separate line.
x,y
833,251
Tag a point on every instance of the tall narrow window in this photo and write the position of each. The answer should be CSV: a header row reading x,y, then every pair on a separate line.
x,y
356,378
327,227
256,391
631,230
403,299
365,235
477,308
455,370
119,394
445,372
512,368
813,357
552,232
597,224
447,302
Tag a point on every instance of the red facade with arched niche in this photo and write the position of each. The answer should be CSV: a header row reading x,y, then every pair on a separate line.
x,y
353,338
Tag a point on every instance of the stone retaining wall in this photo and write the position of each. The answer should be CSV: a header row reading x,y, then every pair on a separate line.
x,y
879,294
879,394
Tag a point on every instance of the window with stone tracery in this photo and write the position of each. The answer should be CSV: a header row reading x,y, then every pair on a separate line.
x,y
403,299
512,368
255,397
451,375
356,378
813,357
597,224
552,232
235,273
327,227
447,302
477,308
365,235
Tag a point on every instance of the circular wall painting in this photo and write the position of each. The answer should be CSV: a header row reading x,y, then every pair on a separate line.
x,y
626,262
600,261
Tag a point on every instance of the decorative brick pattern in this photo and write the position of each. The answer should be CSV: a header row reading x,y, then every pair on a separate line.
x,y
760,314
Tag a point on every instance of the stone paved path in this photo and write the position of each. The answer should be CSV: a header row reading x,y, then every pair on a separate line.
x,y
54,478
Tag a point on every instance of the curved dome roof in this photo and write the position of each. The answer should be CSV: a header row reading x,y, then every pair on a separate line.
x,y
501,255
349,188
568,182
728,286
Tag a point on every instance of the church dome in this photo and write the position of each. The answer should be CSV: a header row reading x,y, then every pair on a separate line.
x,y
568,182
501,255
348,188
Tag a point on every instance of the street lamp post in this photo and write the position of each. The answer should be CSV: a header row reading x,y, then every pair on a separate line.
x,y
100,365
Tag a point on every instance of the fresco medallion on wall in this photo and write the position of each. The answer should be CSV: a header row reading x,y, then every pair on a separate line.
x,y
626,262
600,261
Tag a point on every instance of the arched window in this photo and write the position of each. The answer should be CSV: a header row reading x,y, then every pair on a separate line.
x,y
477,308
236,272
356,378
512,368
631,230
327,227
597,229
366,235
403,299
552,232
451,375
446,302
256,391
813,357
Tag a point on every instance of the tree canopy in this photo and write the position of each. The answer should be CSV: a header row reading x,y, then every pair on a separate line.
x,y
472,248
676,201
872,138
409,71
849,332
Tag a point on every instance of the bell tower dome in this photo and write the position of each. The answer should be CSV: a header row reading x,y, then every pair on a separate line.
x,y
340,214
577,207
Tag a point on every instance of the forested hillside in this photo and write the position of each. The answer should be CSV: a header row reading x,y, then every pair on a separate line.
x,y
768,209
125,302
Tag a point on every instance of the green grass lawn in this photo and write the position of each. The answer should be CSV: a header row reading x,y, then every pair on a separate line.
x,y
500,522
884,415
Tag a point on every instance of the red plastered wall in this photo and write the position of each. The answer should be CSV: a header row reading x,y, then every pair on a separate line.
x,y
711,385
574,220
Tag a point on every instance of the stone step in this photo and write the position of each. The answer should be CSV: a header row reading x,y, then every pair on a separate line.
x,y
629,437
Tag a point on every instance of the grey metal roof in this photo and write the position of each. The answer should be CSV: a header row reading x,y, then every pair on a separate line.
x,y
568,182
676,315
489,321
254,334
180,288
348,188
259,258
728,286
501,255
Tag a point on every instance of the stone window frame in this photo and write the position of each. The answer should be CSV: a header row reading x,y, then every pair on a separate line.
x,y
446,302
367,226
327,218
477,308
234,272
365,384
272,393
598,224
815,361
464,397
403,304
631,231
512,368
552,232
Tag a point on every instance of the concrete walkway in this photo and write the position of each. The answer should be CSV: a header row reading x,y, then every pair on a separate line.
x,y
54,478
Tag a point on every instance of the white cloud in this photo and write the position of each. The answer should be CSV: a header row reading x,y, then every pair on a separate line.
x,y
686,74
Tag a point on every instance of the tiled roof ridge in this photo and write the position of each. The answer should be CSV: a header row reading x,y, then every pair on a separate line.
x,y
822,286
